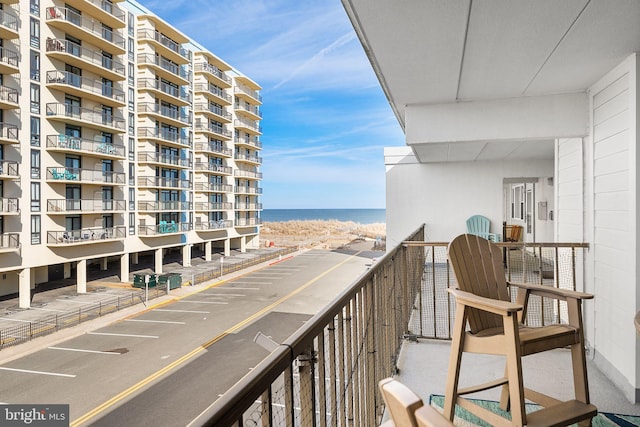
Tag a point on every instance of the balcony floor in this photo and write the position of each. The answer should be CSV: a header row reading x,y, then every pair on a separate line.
x,y
423,367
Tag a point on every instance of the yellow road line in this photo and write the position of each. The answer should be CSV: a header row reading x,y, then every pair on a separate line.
x,y
122,395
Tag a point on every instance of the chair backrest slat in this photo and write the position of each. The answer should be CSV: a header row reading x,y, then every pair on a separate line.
x,y
478,266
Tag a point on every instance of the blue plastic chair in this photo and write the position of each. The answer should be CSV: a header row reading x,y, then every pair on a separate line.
x,y
479,225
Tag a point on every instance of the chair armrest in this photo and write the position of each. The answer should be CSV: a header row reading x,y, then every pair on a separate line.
x,y
502,308
549,292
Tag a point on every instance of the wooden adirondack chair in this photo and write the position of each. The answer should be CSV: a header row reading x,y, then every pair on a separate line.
x,y
406,408
495,327
479,225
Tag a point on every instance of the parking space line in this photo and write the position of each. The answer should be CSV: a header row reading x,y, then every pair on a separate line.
x,y
26,371
182,311
154,321
17,320
244,289
48,309
122,335
204,302
75,302
221,294
80,350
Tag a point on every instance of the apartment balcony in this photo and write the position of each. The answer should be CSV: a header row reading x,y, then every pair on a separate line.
x,y
166,136
9,23
9,206
68,144
8,98
80,116
208,187
252,96
245,189
165,68
248,158
247,222
215,131
211,148
165,92
86,29
9,170
9,61
86,236
104,11
247,174
213,93
91,60
9,242
152,157
84,176
213,74
248,206
253,142
170,116
163,206
213,225
210,207
216,113
8,134
248,125
251,112
84,206
163,229
213,168
83,87
165,46
162,182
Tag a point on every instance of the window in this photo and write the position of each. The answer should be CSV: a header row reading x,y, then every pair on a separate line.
x,y
35,197
35,98
34,30
107,60
35,164
34,65
132,223
36,238
132,97
517,202
131,73
132,177
107,33
132,124
131,49
132,148
131,23
35,131
132,198
34,7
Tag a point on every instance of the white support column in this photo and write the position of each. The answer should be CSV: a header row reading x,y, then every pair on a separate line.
x,y
124,267
103,263
134,258
186,255
158,253
243,244
24,288
81,275
207,251
227,247
66,270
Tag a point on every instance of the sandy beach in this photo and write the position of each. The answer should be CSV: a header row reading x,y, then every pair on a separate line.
x,y
319,234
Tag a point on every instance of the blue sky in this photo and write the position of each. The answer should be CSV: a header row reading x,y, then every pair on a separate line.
x,y
325,117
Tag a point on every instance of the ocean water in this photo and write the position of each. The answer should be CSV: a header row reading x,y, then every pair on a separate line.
x,y
362,216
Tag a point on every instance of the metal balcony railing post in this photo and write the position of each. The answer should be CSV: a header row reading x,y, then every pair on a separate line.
x,y
369,373
289,407
333,369
306,374
349,362
322,382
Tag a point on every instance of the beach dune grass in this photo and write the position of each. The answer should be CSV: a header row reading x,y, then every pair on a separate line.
x,y
325,234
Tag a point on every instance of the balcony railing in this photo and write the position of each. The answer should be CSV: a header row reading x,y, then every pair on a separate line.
x,y
9,242
165,159
165,64
165,135
214,188
247,174
327,372
249,124
168,89
248,206
170,206
254,94
88,55
158,181
91,26
253,142
164,228
9,205
170,113
9,57
9,20
95,116
206,206
86,235
213,225
247,222
148,34
205,67
214,90
218,130
9,169
8,133
245,189
85,205
71,143
92,86
248,157
218,111
9,95
85,175
212,167
213,148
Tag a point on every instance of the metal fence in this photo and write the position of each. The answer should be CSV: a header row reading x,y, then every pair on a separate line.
x,y
326,374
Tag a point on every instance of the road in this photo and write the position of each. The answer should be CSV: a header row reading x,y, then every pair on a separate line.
x,y
167,364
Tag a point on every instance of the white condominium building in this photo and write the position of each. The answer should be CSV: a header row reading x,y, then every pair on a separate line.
x,y
119,137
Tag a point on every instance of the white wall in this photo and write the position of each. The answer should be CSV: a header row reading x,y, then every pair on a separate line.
x,y
444,195
611,223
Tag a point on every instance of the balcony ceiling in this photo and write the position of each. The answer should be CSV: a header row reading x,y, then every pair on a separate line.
x,y
430,52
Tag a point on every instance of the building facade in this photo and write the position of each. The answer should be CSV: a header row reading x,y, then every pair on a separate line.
x,y
119,137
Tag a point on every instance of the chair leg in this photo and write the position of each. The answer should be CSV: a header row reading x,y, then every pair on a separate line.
x,y
514,370
504,394
455,358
